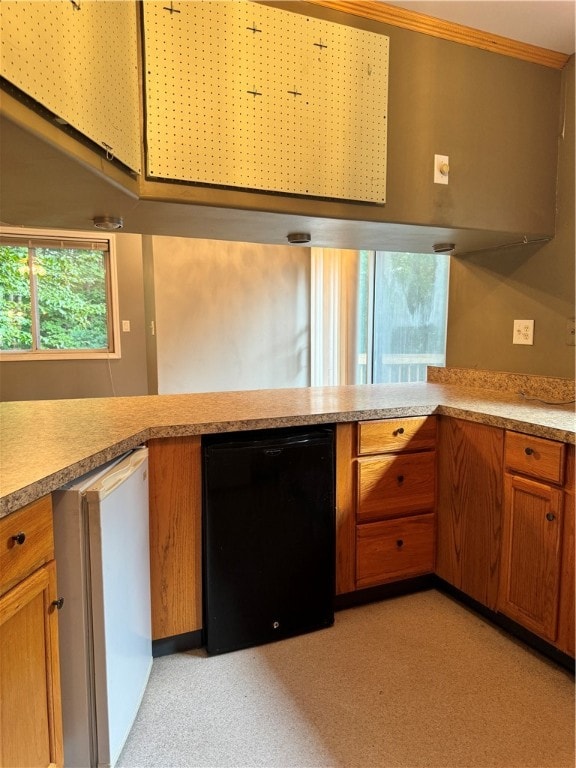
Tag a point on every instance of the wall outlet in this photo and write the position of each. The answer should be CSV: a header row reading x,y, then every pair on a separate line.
x,y
523,332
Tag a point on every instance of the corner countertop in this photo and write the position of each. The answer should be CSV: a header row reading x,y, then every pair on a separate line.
x,y
46,443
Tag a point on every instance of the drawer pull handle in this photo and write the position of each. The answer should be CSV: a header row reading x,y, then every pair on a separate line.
x,y
58,603
399,431
19,538
550,516
400,479
528,451
400,542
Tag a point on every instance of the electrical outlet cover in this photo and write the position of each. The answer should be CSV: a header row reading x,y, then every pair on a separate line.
x,y
523,332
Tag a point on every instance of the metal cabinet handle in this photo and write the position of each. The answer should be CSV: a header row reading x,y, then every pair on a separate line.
x,y
550,516
528,451
400,542
58,603
19,538
399,431
400,478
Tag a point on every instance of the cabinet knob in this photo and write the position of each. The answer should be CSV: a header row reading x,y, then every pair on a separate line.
x,y
528,451
58,603
19,538
399,431
400,478
550,516
399,542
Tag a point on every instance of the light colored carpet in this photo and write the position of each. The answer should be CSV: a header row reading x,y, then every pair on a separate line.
x,y
414,682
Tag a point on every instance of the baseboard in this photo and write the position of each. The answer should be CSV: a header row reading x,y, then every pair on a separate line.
x,y
384,591
503,622
177,643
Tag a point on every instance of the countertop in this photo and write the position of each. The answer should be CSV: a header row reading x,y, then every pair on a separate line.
x,y
46,443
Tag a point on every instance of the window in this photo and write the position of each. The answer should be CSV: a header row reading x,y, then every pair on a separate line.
x,y
377,316
57,296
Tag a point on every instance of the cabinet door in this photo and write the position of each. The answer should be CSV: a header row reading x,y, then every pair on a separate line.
x,y
30,719
469,507
530,566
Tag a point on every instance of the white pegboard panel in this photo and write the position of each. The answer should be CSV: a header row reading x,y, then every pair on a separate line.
x,y
254,97
79,60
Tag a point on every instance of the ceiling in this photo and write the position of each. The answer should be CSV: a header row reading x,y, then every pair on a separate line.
x,y
545,23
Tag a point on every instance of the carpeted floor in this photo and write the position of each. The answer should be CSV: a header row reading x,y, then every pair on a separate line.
x,y
414,682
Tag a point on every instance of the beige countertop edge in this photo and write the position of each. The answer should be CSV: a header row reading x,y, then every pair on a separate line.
x,y
19,497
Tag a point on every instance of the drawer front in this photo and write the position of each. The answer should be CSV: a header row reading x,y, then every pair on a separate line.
x,y
395,485
535,457
416,433
394,549
32,527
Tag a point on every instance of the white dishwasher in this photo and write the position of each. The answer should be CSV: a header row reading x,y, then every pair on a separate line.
x,y
103,571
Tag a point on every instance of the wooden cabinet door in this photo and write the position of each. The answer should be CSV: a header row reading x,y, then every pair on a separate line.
x,y
30,716
469,507
530,565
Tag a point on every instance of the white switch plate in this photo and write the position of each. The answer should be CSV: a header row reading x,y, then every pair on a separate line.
x,y
523,332
441,161
125,326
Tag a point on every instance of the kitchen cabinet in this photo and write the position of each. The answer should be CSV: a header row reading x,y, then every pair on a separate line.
x,y
532,533
46,45
175,483
30,703
394,470
469,507
566,614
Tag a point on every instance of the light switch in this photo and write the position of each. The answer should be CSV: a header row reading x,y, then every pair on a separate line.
x,y
441,169
126,326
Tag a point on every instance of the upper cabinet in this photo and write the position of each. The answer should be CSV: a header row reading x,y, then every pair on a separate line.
x,y
265,119
265,99
79,60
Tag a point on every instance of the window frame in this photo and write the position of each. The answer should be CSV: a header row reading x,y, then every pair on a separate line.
x,y
29,236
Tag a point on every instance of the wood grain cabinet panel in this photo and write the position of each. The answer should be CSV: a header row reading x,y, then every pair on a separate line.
x,y
394,549
469,507
30,703
26,542
535,457
395,473
414,433
566,614
396,484
530,567
345,509
175,466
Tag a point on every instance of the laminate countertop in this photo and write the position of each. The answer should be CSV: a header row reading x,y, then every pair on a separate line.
x,y
46,443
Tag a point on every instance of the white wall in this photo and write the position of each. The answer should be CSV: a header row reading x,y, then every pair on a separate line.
x,y
230,316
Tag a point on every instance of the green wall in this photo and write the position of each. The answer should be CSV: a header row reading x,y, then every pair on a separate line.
x,y
490,290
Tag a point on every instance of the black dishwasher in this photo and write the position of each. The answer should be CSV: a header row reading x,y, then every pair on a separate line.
x,y
268,535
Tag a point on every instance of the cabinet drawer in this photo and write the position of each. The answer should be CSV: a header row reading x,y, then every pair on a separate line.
x,y
395,485
33,525
392,435
394,549
535,456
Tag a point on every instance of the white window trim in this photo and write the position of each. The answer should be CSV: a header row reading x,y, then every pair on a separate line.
x,y
114,327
